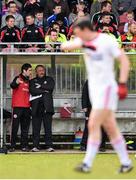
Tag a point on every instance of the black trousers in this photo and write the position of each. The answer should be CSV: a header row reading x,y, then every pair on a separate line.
x,y
37,120
21,116
85,136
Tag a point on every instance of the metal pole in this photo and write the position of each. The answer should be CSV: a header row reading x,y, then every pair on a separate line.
x,y
4,81
53,66
1,102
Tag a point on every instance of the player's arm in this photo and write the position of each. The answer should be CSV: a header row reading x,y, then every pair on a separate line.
x,y
124,67
120,55
72,45
123,76
77,44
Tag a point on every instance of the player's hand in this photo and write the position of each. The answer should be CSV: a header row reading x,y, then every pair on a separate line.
x,y
122,91
18,81
89,45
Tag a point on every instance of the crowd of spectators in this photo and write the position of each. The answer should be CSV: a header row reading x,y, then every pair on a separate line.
x,y
51,21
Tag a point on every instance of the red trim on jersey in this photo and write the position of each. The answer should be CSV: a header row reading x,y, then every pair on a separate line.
x,y
41,31
18,35
2,34
23,32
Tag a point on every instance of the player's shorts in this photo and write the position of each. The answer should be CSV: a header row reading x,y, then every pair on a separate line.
x,y
105,97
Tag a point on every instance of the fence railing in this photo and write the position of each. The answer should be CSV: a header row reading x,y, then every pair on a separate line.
x,y
50,48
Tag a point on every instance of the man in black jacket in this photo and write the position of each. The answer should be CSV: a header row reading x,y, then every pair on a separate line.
x,y
41,89
86,106
32,33
10,33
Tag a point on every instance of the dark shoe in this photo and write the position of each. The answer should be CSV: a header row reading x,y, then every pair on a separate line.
x,y
25,149
125,169
12,150
50,149
35,149
83,168
82,148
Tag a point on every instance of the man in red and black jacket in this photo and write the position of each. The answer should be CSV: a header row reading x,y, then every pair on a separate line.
x,y
106,21
10,33
32,33
106,7
21,107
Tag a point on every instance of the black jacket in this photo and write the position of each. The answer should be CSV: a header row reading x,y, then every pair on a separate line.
x,y
32,33
10,34
85,99
29,8
42,86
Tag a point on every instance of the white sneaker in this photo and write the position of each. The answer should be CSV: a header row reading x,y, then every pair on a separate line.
x,y
35,149
50,149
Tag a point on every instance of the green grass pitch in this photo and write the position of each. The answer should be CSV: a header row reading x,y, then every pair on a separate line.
x,y
59,166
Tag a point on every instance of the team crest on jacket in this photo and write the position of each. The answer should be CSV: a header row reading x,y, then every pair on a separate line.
x,y
15,116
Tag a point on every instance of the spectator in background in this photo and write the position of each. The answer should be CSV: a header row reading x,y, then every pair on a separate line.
x,y
106,29
95,7
12,10
80,7
32,33
57,11
122,6
10,33
60,29
86,2
5,7
54,37
130,19
41,89
40,21
50,4
105,7
130,36
30,7
73,14
106,20
62,33
21,107
60,19
80,15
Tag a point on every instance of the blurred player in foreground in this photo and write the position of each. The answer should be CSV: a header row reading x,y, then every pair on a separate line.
x,y
100,52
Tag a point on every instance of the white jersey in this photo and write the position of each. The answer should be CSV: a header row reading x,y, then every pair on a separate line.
x,y
100,63
100,70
